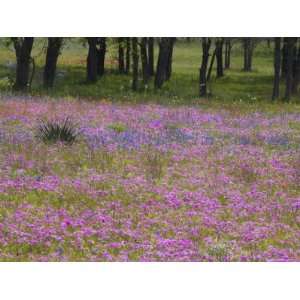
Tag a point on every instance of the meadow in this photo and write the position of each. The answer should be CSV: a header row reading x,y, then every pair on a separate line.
x,y
153,175
183,88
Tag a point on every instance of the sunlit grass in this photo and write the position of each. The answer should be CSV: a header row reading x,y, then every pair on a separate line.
x,y
235,86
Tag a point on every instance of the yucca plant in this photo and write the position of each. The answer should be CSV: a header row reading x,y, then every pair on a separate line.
x,y
64,131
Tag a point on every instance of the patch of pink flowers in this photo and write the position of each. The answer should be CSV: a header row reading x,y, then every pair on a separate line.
x,y
149,183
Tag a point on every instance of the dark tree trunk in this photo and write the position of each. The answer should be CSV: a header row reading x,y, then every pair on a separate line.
x,y
92,60
296,71
228,47
128,54
144,59
219,57
121,56
170,58
203,69
101,51
163,62
245,54
135,63
211,66
53,51
289,67
284,58
248,53
151,56
23,47
277,63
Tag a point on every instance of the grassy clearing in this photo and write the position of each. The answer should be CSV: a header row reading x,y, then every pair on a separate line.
x,y
234,88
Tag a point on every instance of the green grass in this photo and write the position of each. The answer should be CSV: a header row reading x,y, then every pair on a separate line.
x,y
234,88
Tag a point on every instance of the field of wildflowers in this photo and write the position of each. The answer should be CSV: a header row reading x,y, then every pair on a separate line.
x,y
148,183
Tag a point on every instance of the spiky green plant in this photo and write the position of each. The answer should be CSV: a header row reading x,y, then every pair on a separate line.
x,y
51,132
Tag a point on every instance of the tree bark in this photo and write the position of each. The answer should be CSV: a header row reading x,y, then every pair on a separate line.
x,y
170,57
144,59
277,63
219,57
92,60
206,42
291,41
101,51
211,66
284,58
23,47
151,56
121,55
128,54
135,63
296,71
163,62
248,53
53,51
228,47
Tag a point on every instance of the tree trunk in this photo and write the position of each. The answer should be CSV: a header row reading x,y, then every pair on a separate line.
x,y
135,63
151,56
228,47
128,54
248,53
92,60
245,54
121,55
163,62
284,58
101,51
219,57
144,59
291,41
277,62
53,51
23,47
296,71
203,69
170,57
211,66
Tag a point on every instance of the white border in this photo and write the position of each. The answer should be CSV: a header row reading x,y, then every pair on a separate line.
x,y
149,18
149,281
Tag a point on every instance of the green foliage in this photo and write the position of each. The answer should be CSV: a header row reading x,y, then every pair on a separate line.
x,y
6,83
219,251
51,132
6,42
118,127
182,89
